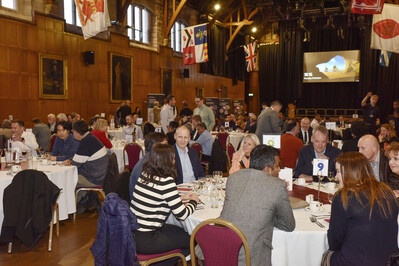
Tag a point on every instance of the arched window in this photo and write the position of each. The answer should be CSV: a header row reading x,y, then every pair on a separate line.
x,y
175,36
70,13
11,4
139,20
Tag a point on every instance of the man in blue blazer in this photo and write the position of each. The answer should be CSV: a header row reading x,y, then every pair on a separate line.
x,y
187,160
319,148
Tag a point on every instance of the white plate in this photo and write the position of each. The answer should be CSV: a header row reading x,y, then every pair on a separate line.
x,y
303,185
309,210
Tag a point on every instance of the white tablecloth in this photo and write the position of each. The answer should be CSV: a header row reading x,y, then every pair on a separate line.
x,y
64,177
234,138
118,150
302,247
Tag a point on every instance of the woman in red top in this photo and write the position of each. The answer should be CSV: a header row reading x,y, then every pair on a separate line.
x,y
100,128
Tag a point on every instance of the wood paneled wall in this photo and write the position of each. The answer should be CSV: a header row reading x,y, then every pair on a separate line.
x,y
88,86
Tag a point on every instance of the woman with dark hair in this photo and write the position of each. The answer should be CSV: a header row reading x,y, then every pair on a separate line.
x,y
392,153
363,226
155,196
65,145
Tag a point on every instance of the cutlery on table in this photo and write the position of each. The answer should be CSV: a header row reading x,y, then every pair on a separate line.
x,y
314,220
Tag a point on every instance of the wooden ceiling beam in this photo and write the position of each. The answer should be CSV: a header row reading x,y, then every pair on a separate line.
x,y
175,13
239,24
122,10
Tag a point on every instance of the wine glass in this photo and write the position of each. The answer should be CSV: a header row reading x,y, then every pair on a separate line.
x,y
331,176
330,197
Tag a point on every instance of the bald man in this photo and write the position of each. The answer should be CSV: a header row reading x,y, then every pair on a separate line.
x,y
369,147
188,164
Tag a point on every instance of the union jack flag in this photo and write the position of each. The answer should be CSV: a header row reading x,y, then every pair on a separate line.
x,y
250,56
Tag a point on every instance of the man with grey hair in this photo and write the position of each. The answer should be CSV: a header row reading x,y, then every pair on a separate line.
x,y
368,146
268,122
51,123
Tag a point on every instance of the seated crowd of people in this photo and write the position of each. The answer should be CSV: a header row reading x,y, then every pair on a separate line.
x,y
366,167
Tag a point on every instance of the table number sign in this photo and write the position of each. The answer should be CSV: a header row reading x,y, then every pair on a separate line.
x,y
320,166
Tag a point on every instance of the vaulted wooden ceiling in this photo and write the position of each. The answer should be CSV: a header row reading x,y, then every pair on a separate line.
x,y
240,15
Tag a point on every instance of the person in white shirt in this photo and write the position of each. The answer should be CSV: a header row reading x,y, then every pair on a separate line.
x,y
316,121
131,127
168,112
26,141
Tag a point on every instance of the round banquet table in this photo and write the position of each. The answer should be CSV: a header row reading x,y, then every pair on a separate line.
x,y
302,247
64,177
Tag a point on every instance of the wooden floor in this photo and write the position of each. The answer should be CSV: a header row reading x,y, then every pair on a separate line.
x,y
71,247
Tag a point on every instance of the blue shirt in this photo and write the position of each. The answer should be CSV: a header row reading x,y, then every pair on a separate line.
x,y
187,168
65,149
206,141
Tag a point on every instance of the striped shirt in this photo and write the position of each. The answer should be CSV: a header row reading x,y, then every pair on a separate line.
x,y
153,202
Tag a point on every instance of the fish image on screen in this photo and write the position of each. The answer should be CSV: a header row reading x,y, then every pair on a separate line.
x,y
332,66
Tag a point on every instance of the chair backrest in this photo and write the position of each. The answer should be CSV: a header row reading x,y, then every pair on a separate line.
x,y
111,180
133,152
198,147
52,141
229,153
222,138
220,242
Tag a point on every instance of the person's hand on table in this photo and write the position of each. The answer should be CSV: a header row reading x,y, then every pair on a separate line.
x,y
189,196
66,162
308,178
53,158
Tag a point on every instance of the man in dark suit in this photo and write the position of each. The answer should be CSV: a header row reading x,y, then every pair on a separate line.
x,y
318,148
305,133
368,146
187,160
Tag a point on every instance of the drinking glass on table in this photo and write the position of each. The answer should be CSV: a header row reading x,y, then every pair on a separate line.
x,y
331,176
217,176
330,197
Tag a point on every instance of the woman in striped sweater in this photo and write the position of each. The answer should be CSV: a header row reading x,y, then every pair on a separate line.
x,y
155,196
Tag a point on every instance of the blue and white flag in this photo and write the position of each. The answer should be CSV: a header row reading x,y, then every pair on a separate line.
x,y
384,58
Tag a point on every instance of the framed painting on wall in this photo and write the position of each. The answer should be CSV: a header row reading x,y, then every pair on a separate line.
x,y
167,81
199,92
120,73
53,77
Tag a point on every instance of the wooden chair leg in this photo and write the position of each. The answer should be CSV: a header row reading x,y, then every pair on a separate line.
x,y
9,249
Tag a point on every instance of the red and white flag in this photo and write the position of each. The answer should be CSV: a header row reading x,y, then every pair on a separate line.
x,y
195,44
94,17
385,29
250,56
367,6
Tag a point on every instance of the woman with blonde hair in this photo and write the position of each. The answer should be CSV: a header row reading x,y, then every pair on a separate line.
x,y
241,157
387,136
363,226
100,129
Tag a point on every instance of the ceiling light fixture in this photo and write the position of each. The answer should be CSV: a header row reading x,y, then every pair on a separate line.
x,y
217,7
254,29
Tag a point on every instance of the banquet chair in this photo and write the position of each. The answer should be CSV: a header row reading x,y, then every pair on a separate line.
x,y
110,182
223,138
229,154
52,142
30,208
148,259
198,147
220,242
133,151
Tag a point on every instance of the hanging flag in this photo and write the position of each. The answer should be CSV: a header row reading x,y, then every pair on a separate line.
x,y
367,6
93,15
385,29
384,58
195,44
250,56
